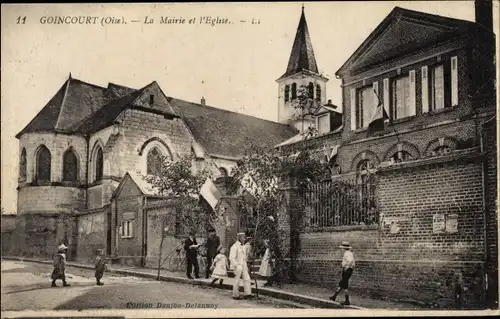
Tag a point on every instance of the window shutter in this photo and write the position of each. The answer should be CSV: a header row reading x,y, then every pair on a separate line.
x,y
375,99
353,109
412,93
121,231
131,228
387,96
425,90
454,81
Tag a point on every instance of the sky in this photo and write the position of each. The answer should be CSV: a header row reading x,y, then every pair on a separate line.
x,y
234,66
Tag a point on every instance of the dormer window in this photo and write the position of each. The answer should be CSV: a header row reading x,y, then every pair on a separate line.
x,y
324,123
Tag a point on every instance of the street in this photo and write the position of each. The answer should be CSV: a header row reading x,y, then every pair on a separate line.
x,y
26,286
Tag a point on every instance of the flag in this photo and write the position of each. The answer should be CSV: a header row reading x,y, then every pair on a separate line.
x,y
210,193
331,157
378,117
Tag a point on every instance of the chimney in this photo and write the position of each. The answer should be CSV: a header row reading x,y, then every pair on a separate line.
x,y
484,13
202,100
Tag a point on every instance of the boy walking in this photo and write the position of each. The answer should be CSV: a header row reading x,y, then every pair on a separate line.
x,y
347,269
100,267
59,271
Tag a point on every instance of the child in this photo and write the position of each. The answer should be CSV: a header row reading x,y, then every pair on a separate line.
x,y
219,267
347,269
59,271
100,267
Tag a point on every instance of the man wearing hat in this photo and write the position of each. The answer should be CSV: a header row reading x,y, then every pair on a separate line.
x,y
212,245
191,248
347,269
238,260
59,271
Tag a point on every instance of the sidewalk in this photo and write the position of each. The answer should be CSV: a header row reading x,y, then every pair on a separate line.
x,y
301,293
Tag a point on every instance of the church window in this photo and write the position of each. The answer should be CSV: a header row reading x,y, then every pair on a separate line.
x,y
98,160
43,164
294,91
287,93
311,90
318,92
154,162
22,165
70,166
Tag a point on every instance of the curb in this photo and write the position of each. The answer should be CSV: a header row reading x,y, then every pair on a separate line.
x,y
270,292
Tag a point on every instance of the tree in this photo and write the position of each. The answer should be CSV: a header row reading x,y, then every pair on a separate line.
x,y
305,106
262,173
179,183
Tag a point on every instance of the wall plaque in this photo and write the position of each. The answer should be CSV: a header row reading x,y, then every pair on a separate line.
x,y
452,223
438,223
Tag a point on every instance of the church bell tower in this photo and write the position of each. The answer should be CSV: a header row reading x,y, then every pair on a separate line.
x,y
302,84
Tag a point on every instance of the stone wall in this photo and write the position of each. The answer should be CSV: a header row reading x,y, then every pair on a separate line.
x,y
92,234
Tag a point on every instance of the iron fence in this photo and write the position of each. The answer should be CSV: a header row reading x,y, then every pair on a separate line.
x,y
341,203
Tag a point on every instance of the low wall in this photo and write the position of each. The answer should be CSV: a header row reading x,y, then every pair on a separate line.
x,y
91,235
411,255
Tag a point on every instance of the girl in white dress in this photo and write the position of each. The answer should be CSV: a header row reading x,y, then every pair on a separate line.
x,y
265,268
219,267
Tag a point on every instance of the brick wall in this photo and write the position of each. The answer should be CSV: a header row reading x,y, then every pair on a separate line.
x,y
414,263
129,202
491,176
92,235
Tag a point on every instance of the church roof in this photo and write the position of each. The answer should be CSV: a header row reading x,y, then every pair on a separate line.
x,y
229,134
80,107
403,31
72,103
302,55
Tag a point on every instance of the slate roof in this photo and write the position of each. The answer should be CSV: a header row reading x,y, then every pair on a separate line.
x,y
80,107
72,103
226,133
401,32
302,56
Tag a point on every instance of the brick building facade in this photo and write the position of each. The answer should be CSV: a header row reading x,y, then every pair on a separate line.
x,y
422,216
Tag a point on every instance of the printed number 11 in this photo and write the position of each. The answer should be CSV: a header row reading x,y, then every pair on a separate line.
x,y
21,20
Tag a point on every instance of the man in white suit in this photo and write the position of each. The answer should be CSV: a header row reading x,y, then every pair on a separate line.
x,y
238,260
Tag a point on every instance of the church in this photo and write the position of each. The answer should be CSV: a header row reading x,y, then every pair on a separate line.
x,y
77,150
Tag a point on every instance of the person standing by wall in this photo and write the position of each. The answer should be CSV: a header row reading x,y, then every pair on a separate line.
x,y
100,267
191,248
347,269
59,271
238,263
211,245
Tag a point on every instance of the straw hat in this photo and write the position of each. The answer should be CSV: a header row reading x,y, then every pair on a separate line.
x,y
62,247
345,245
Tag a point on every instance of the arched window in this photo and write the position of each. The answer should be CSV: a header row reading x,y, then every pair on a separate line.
x,y
287,93
223,171
22,165
441,150
294,91
98,164
70,166
43,164
311,90
318,92
154,162
401,156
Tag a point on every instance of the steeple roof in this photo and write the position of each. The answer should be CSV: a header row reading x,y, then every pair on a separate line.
x,y
302,55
